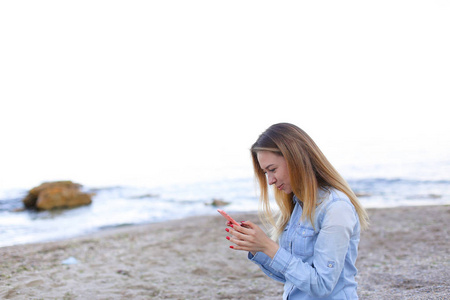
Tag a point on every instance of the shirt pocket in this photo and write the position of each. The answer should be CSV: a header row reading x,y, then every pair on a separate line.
x,y
304,240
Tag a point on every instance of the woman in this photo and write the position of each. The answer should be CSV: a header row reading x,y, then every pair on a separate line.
x,y
316,233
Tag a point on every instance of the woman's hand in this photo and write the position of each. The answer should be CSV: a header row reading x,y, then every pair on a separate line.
x,y
250,237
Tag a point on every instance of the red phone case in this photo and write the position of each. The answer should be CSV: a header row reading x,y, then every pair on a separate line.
x,y
227,216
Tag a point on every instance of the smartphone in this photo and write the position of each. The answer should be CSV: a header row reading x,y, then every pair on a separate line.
x,y
227,216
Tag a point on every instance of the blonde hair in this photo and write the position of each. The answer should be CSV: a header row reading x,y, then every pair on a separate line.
x,y
309,170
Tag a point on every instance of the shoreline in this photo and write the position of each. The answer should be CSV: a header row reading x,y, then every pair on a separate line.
x,y
404,255
107,228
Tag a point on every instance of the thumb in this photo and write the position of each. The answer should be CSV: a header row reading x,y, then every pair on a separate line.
x,y
248,224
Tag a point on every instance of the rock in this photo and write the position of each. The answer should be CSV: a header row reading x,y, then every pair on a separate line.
x,y
218,202
123,272
32,197
362,194
144,196
434,196
58,194
62,197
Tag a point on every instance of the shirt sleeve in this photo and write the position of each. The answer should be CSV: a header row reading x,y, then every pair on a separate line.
x,y
263,261
330,250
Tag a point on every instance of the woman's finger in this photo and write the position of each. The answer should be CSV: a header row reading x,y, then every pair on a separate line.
x,y
243,229
234,233
238,242
239,236
242,247
248,224
243,234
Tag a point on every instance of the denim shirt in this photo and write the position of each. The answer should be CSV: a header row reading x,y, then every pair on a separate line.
x,y
317,262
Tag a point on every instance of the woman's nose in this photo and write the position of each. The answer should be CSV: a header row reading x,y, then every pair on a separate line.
x,y
272,179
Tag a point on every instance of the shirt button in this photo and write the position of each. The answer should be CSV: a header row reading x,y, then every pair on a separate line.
x,y
304,232
330,266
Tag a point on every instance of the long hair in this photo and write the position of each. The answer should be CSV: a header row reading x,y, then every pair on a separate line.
x,y
309,170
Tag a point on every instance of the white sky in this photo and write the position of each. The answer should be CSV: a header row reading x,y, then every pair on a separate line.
x,y
120,92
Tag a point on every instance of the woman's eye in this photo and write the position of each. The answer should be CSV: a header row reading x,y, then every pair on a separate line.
x,y
273,170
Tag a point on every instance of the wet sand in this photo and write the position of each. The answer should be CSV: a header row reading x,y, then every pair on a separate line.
x,y
404,255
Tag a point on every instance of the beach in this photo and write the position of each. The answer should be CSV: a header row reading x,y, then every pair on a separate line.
x,y
404,255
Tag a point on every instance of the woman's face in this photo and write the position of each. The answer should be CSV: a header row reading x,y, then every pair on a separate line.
x,y
276,169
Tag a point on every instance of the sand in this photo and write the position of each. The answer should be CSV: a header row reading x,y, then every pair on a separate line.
x,y
404,255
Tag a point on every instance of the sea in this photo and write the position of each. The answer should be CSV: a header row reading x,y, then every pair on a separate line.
x,y
378,184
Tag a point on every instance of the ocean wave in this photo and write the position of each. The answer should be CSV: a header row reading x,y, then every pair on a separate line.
x,y
117,205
